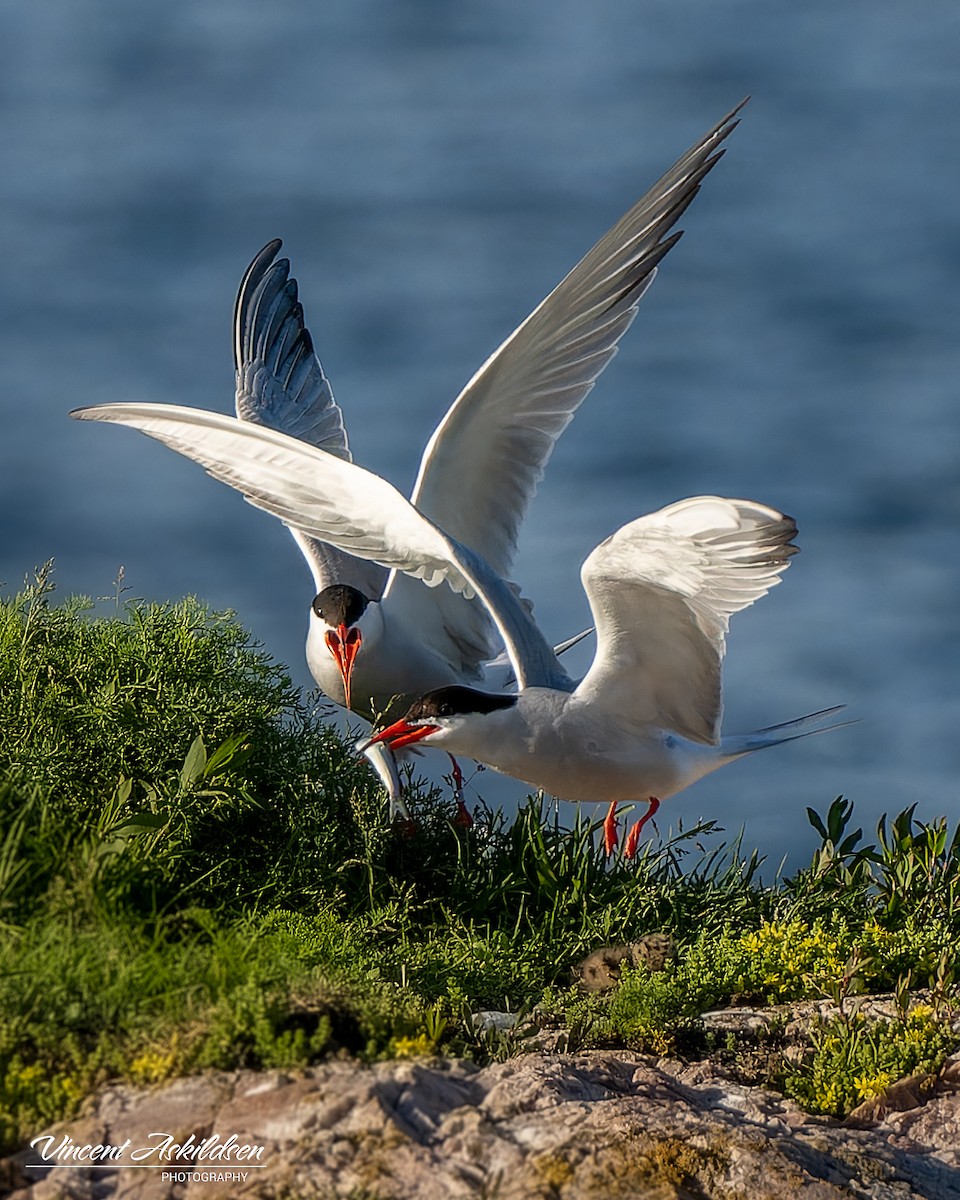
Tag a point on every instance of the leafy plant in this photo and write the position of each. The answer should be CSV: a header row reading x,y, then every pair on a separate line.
x,y
195,870
851,1059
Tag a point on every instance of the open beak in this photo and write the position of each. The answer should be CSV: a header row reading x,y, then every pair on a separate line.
x,y
343,644
400,733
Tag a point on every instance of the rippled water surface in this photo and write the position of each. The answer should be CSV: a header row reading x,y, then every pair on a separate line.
x,y
434,169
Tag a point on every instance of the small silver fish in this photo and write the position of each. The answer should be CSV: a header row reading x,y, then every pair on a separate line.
x,y
382,759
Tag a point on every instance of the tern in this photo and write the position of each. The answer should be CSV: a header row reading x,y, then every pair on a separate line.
x,y
643,723
377,641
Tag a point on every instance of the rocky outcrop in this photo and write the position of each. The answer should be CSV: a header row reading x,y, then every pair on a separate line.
x,y
538,1127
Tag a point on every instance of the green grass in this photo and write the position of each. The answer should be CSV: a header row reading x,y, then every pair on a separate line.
x,y
195,871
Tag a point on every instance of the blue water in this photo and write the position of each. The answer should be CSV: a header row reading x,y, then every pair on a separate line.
x,y
434,169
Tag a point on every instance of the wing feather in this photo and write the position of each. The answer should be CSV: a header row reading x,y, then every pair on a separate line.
x,y
351,509
482,465
662,590
281,385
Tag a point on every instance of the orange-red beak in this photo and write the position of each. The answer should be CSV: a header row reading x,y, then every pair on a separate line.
x,y
343,644
401,733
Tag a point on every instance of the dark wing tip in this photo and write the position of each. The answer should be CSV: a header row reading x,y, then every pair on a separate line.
x,y
252,278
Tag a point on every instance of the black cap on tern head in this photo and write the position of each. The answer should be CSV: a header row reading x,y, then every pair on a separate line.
x,y
455,701
340,604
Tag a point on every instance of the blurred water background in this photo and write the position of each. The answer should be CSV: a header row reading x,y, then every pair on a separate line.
x,y
434,169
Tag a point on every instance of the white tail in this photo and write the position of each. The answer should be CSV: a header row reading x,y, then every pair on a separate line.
x,y
745,743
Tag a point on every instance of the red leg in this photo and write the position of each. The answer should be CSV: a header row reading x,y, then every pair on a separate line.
x,y
463,818
610,828
633,837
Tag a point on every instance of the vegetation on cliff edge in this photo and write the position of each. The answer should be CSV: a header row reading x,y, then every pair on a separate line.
x,y
196,871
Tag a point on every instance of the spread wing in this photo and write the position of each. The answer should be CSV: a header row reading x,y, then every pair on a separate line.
x,y
481,467
662,590
353,510
483,463
281,385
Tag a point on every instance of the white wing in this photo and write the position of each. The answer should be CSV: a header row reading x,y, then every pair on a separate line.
x,y
352,509
482,465
662,590
281,385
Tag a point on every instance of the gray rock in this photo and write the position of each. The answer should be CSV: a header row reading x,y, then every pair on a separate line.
x,y
493,1018
598,1124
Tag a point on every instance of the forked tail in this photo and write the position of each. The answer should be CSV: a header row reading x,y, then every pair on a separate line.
x,y
745,743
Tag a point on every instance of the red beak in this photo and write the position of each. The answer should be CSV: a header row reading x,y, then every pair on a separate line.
x,y
343,645
400,733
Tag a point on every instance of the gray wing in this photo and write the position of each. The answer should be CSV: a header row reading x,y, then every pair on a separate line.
x,y
662,590
351,509
483,463
482,466
281,385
